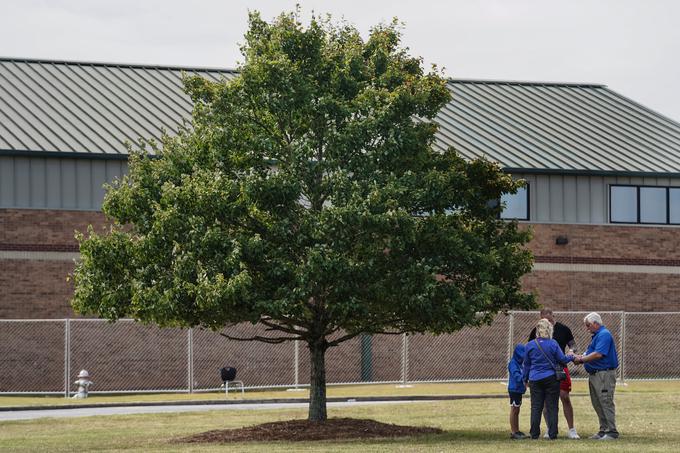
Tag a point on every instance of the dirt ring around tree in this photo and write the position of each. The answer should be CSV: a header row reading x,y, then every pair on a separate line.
x,y
305,430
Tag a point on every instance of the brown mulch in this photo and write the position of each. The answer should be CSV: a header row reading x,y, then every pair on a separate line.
x,y
302,430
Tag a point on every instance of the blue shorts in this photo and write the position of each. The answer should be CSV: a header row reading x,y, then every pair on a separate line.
x,y
515,399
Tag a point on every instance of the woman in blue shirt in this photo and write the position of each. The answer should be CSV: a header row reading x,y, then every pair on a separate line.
x,y
539,371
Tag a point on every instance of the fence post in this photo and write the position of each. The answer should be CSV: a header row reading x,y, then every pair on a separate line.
x,y
366,347
404,361
190,360
67,357
623,348
296,367
511,336
297,364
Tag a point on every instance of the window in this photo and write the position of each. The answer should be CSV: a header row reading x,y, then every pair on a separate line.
x,y
644,204
623,204
674,205
652,205
516,206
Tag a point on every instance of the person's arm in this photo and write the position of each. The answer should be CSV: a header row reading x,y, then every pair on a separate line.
x,y
526,365
599,349
571,342
517,373
589,357
572,346
563,359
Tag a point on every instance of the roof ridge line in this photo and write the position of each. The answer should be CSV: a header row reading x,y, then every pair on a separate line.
x,y
526,83
231,70
110,65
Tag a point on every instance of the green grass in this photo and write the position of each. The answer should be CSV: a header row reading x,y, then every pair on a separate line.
x,y
348,391
647,419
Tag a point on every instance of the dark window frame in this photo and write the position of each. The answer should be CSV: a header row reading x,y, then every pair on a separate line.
x,y
637,192
525,219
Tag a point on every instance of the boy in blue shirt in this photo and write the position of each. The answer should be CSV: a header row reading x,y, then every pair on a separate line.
x,y
516,388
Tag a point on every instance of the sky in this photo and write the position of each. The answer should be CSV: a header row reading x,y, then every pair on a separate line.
x,y
632,46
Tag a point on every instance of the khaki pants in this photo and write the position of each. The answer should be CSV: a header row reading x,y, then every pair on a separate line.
x,y
602,386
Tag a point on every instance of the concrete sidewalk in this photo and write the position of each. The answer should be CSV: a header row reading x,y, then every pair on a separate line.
x,y
85,404
86,410
126,410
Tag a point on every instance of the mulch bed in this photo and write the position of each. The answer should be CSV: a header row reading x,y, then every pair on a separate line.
x,y
305,430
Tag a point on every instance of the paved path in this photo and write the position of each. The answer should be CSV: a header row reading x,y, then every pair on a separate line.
x,y
92,411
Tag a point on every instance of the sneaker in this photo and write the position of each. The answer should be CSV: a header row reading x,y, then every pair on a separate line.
x,y
572,434
519,435
597,436
608,437
546,436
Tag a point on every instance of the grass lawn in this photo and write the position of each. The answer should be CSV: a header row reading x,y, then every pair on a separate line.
x,y
646,417
349,391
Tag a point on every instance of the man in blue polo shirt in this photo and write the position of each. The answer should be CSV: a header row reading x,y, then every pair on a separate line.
x,y
600,361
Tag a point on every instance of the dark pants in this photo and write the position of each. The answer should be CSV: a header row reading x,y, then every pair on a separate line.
x,y
544,393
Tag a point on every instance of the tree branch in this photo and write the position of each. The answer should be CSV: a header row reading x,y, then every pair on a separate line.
x,y
352,335
270,340
343,339
287,329
368,331
250,114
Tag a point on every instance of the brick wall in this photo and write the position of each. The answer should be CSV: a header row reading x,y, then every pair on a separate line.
x,y
637,246
633,243
153,358
37,288
602,291
45,229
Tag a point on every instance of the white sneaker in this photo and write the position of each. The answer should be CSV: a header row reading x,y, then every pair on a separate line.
x,y
546,436
572,434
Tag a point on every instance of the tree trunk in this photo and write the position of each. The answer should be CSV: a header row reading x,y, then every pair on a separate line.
x,y
317,391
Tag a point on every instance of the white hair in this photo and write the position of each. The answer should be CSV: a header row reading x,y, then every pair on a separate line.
x,y
544,329
593,318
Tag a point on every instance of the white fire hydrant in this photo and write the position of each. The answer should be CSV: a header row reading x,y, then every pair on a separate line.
x,y
83,384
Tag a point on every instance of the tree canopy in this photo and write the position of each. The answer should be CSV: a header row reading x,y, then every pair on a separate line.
x,y
305,195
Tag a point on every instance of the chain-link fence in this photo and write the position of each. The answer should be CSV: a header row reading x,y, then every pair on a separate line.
x,y
44,356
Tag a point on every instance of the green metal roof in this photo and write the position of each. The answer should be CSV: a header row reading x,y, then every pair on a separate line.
x,y
91,109
557,126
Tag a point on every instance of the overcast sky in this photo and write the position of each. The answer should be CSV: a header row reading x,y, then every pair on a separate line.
x,y
633,46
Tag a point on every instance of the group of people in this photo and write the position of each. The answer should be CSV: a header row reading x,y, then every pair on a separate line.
x,y
541,365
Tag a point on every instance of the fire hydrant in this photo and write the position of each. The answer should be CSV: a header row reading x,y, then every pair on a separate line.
x,y
83,384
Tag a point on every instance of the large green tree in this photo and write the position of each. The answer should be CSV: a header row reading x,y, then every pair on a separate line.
x,y
305,196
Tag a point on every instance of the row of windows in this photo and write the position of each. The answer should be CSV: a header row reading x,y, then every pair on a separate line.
x,y
627,204
643,204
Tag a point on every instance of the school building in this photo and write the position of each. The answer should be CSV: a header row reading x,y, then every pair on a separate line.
x,y
602,172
